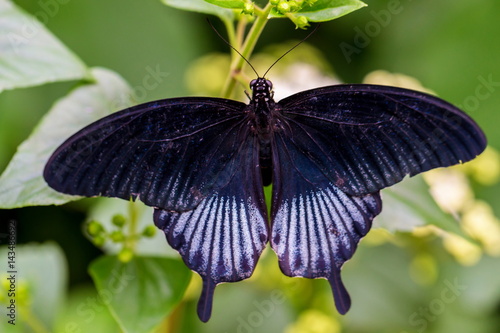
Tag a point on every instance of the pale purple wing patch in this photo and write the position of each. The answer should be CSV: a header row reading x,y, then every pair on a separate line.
x,y
316,227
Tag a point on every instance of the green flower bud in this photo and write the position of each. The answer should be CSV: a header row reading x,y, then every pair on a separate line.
x,y
119,220
99,240
283,7
274,2
248,8
117,236
294,6
149,231
94,228
300,22
125,255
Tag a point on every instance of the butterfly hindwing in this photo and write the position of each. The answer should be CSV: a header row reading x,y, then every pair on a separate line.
x,y
170,153
223,237
365,137
315,226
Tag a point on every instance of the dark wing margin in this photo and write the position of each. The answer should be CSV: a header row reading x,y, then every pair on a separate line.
x,y
367,137
169,153
223,237
315,226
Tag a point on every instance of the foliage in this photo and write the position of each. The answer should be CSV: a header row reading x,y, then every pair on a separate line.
x,y
140,291
30,55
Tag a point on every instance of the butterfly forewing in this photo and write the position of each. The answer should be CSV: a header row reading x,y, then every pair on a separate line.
x,y
169,153
365,137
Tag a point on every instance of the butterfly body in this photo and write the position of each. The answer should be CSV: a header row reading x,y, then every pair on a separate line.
x,y
202,164
264,121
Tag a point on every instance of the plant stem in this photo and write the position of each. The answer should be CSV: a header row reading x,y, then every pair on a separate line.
x,y
132,239
240,33
231,34
247,48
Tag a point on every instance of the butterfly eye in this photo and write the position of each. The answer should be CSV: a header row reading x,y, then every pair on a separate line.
x,y
252,83
269,84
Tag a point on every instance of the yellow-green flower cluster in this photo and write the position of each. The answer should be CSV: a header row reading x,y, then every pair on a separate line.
x,y
290,9
452,191
22,292
248,8
99,235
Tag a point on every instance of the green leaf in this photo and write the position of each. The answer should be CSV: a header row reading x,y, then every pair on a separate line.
x,y
326,10
234,4
22,183
42,278
409,204
140,293
201,6
30,55
83,312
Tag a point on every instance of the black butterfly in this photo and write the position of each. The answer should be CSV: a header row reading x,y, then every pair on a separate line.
x,y
202,164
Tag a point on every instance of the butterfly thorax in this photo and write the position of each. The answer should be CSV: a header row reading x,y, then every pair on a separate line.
x,y
261,105
261,109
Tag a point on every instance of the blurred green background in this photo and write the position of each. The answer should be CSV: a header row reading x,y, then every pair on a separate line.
x,y
402,283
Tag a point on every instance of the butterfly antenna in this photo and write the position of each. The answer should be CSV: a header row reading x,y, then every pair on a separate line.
x,y
284,54
235,50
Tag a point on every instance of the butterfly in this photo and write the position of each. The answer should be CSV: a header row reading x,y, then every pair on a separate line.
x,y
202,163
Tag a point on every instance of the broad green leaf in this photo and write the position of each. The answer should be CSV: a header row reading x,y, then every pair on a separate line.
x,y
140,293
379,275
409,204
41,279
30,55
234,4
22,184
483,292
84,312
237,304
326,10
201,6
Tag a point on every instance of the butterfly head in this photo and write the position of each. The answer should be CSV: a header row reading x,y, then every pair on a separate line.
x,y
262,90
